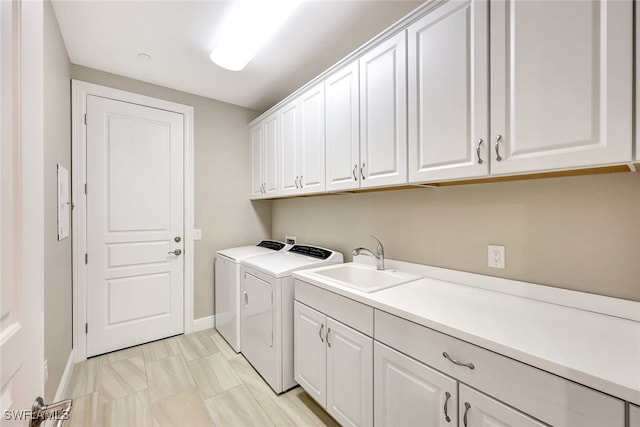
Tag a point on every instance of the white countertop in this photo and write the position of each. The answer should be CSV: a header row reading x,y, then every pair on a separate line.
x,y
597,350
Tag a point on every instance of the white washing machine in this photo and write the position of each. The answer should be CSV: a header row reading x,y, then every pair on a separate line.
x,y
267,309
227,287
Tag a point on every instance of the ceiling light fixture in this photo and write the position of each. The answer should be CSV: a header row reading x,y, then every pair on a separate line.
x,y
247,29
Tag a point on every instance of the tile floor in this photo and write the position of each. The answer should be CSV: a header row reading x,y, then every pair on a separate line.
x,y
188,380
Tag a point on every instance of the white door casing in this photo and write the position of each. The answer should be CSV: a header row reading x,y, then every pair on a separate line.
x,y
135,221
80,93
22,207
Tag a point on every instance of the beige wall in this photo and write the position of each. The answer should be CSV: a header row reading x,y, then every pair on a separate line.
x,y
579,233
222,176
57,254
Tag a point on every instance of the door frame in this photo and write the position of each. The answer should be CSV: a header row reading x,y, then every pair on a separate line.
x,y
79,92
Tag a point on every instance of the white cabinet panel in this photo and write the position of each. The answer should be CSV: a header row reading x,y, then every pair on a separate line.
x,y
479,410
408,393
289,142
312,141
257,160
349,375
270,138
310,363
448,93
561,80
634,416
342,110
383,115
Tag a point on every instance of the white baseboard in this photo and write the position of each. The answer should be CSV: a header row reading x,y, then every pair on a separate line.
x,y
203,323
66,376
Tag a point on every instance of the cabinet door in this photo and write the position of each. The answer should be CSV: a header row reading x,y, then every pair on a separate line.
x,y
383,114
312,141
634,415
561,84
408,393
257,161
479,410
289,120
270,164
310,362
342,112
448,93
349,375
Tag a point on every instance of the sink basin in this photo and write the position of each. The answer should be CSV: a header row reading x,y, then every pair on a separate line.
x,y
365,278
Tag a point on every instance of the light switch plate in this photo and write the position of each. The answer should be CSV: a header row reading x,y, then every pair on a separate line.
x,y
197,234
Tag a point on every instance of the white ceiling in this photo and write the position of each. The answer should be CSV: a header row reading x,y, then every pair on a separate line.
x,y
178,35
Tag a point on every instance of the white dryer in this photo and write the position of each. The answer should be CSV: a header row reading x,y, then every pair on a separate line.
x,y
267,309
227,286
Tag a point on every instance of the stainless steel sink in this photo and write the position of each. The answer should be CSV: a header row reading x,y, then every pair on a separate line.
x,y
365,278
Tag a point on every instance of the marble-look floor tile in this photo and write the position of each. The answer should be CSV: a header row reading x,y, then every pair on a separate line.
x,y
168,376
249,377
195,346
119,355
160,349
85,378
237,408
123,378
213,375
133,410
83,412
184,409
223,345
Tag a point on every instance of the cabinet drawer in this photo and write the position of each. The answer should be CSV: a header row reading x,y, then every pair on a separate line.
x,y
540,394
347,311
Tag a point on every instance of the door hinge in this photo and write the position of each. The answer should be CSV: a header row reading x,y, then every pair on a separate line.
x,y
85,119
86,328
86,258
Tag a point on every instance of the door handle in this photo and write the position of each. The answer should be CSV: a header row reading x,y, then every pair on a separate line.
x,y
176,252
58,411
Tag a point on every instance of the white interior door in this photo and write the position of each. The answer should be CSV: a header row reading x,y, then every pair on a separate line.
x,y
21,209
134,224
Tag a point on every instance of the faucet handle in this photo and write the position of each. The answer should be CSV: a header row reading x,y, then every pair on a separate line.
x,y
380,249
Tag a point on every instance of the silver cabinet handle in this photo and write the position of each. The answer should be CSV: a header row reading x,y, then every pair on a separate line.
x,y
176,252
320,332
478,151
355,168
467,406
301,186
362,171
328,332
455,362
296,181
498,139
446,401
246,299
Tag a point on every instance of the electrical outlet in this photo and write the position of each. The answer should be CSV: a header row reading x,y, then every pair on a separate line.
x,y
496,256
290,240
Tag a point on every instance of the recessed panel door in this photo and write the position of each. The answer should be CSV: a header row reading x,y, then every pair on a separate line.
x,y
134,224
310,360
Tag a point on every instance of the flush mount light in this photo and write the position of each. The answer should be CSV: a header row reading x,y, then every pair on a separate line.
x,y
144,57
247,29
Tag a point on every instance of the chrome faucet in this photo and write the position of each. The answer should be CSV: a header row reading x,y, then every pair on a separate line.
x,y
378,256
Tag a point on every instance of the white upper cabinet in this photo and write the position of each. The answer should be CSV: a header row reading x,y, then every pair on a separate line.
x,y
561,84
448,93
383,114
312,140
342,109
301,148
264,157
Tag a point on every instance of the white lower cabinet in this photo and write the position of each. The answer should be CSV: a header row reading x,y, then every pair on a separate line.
x,y
479,410
334,364
409,393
